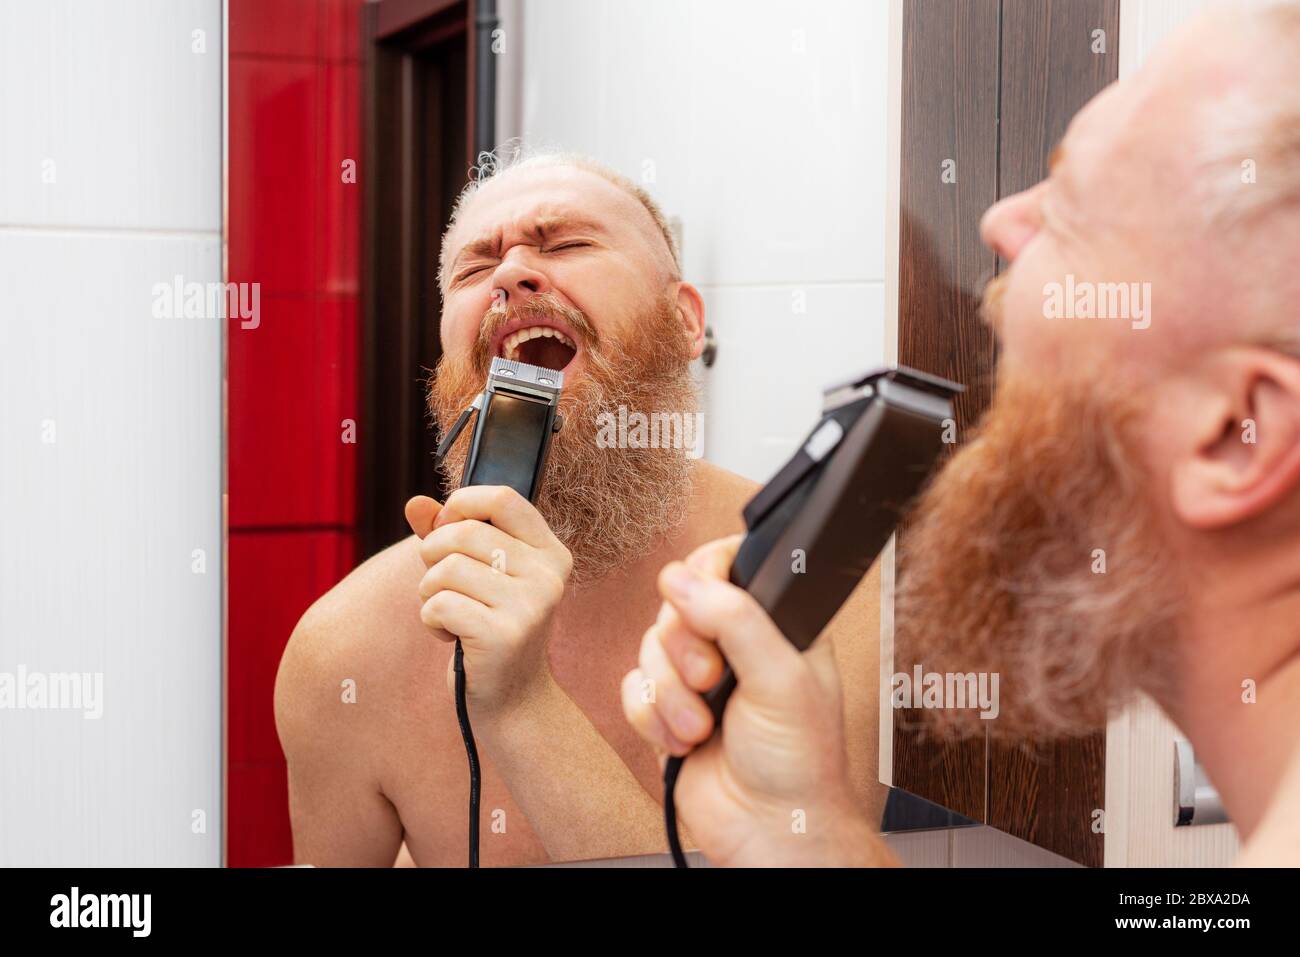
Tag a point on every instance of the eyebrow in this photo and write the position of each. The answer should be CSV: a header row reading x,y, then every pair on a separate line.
x,y
542,225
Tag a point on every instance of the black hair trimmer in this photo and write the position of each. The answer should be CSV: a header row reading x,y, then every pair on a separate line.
x,y
837,501
517,417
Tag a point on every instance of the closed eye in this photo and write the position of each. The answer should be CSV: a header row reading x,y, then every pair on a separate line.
x,y
575,244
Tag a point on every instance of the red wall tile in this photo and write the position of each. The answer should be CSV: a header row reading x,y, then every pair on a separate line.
x,y
276,418
276,576
338,358
274,144
293,385
275,27
294,228
339,202
341,32
258,815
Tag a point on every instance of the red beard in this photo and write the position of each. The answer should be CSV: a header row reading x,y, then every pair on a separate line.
x,y
1000,571
608,505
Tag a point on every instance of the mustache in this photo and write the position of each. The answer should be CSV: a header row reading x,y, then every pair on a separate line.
x,y
541,306
990,308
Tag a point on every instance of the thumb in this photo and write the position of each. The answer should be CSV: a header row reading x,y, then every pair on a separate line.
x,y
420,513
713,560
821,659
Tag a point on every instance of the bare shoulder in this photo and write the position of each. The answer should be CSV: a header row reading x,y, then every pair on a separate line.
x,y
341,673
717,499
721,484
339,709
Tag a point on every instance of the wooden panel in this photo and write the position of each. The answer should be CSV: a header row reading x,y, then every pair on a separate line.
x,y
991,87
1052,64
949,114
1049,71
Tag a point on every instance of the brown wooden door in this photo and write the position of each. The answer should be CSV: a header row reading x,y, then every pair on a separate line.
x,y
989,85
419,147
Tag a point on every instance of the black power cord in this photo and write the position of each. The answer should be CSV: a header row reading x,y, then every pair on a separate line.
x,y
671,770
471,751
458,664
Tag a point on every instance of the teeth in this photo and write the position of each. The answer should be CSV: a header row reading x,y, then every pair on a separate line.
x,y
516,339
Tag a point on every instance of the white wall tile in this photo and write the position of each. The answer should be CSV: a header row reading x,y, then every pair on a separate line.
x,y
114,97
921,848
97,554
762,124
1144,23
988,847
763,393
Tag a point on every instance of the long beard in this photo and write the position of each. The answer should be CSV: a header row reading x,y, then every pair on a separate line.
x,y
1035,555
609,506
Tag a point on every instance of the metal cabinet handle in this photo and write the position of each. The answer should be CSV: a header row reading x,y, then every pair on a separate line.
x,y
1196,801
710,353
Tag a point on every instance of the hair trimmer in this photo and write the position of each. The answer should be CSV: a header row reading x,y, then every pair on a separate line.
x,y
836,503
517,415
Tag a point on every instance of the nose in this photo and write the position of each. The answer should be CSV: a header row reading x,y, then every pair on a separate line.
x,y
516,280
1011,223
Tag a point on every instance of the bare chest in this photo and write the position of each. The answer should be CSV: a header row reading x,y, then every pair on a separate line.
x,y
590,652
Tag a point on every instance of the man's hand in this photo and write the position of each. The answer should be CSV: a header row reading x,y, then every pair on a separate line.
x,y
496,574
772,787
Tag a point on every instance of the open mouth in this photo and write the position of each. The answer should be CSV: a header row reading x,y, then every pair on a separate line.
x,y
539,346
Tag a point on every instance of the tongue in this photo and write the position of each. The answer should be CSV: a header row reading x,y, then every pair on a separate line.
x,y
547,352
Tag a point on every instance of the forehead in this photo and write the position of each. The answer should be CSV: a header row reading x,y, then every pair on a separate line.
x,y
517,199
1146,130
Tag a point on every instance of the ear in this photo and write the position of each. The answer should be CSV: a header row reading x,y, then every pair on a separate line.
x,y
1244,455
690,309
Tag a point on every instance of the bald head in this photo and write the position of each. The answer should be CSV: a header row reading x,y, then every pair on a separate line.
x,y
1220,122
1181,182
504,175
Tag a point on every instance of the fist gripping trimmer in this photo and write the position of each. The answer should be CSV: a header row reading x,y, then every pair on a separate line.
x,y
836,502
517,415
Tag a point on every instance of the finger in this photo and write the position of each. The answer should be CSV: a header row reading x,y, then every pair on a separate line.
x,y
453,612
476,540
645,720
682,710
503,507
698,661
713,559
719,611
420,513
467,576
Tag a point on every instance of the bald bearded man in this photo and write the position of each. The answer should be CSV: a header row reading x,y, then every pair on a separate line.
x,y
1164,435
557,261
